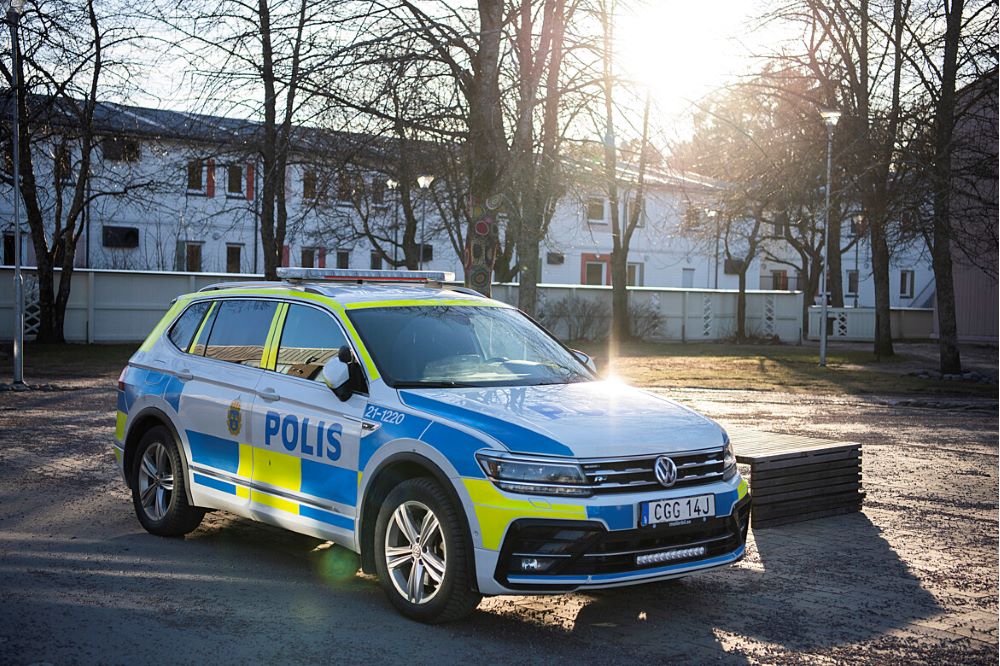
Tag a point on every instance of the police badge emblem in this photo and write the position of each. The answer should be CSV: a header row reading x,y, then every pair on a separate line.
x,y
234,419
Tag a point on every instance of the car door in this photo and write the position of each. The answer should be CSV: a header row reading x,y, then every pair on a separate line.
x,y
221,371
305,453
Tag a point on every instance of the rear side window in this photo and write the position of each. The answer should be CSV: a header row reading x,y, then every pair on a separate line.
x,y
309,339
186,326
240,331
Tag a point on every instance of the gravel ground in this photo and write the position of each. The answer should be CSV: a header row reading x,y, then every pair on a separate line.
x,y
912,579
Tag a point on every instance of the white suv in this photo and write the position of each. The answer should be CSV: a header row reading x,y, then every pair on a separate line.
x,y
455,444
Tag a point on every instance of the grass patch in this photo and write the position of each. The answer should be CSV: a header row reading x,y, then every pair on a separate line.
x,y
786,368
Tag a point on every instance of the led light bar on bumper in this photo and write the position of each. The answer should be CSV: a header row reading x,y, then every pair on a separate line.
x,y
534,476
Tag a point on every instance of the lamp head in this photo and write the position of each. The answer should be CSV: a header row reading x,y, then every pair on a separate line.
x,y
391,184
425,181
830,117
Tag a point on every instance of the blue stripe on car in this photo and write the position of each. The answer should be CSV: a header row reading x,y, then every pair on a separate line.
x,y
211,451
509,434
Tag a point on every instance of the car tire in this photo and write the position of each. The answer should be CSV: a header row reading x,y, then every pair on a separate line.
x,y
159,492
428,579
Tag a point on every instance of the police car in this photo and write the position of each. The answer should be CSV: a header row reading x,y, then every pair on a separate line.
x,y
447,438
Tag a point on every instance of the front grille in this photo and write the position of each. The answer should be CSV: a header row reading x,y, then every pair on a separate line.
x,y
581,548
629,475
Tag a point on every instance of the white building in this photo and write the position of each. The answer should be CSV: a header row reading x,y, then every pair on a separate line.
x,y
191,204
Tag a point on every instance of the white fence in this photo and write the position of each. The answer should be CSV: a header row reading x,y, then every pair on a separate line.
x,y
123,306
858,324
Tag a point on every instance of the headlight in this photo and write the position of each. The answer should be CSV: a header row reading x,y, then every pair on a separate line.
x,y
534,477
729,461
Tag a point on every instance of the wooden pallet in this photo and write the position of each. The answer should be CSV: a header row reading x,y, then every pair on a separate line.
x,y
794,478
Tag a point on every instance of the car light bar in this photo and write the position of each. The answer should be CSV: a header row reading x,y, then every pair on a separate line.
x,y
351,275
669,555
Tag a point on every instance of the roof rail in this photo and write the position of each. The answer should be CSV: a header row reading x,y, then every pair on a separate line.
x,y
469,291
247,284
360,277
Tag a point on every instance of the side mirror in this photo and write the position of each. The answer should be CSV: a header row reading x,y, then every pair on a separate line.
x,y
337,373
585,359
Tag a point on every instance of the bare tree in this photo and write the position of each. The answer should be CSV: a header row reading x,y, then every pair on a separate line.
x,y
70,53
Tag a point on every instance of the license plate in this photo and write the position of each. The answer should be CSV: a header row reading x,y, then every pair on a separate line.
x,y
676,510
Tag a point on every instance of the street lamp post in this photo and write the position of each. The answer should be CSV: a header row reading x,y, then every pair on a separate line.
x,y
830,118
424,182
13,16
392,185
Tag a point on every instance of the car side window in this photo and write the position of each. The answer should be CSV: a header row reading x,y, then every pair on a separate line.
x,y
240,331
187,325
309,339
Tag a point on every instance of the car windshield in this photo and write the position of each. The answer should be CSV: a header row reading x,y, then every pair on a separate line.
x,y
451,346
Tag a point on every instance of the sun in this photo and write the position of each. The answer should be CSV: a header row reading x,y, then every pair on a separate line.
x,y
681,50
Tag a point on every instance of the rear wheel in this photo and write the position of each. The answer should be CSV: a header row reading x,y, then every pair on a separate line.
x,y
158,486
421,554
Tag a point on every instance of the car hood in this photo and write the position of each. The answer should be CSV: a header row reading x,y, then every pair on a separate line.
x,y
584,420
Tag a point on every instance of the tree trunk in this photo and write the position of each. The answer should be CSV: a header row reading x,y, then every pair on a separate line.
x,y
951,361
880,275
741,304
620,328
528,245
835,280
484,148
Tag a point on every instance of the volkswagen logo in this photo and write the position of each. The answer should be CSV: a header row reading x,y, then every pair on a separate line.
x,y
666,471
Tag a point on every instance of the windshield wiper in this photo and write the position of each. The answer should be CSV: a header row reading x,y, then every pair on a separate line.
x,y
446,384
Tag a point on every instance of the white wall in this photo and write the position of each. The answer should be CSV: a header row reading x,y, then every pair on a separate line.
x,y
123,306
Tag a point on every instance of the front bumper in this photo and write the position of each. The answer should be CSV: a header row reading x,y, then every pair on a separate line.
x,y
544,555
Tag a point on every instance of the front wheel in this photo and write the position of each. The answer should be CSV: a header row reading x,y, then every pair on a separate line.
x,y
421,554
157,480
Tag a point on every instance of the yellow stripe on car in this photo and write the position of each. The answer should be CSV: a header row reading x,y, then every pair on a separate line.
x,y
245,469
167,319
261,497
495,511
120,419
269,359
742,489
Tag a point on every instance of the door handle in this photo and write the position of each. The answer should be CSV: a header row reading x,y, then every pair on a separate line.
x,y
269,394
185,374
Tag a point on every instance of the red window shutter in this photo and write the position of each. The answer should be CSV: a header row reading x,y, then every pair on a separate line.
x,y
284,255
249,187
210,178
322,257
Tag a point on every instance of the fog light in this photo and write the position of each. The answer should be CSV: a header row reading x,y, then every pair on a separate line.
x,y
669,555
531,564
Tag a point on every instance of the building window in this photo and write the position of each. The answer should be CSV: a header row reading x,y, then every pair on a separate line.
x,y
308,257
594,272
343,259
63,164
376,260
426,252
233,256
378,191
555,258
234,181
196,176
124,237
852,283
779,280
906,284
687,278
349,187
309,184
119,149
779,228
192,257
8,249
634,275
595,210
630,205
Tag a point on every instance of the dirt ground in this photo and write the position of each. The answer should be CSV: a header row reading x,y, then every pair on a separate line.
x,y
912,579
